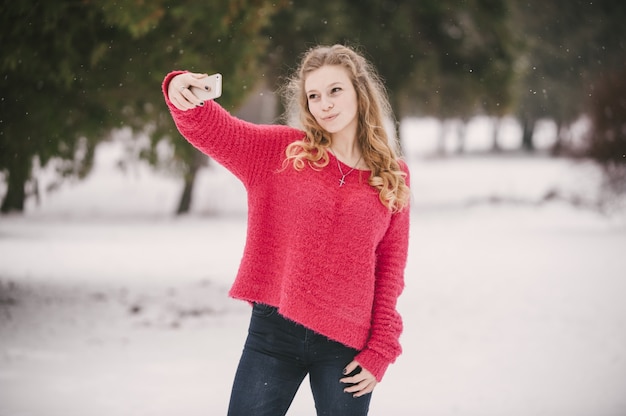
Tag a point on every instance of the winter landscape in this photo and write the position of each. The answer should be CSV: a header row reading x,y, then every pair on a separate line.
x,y
514,299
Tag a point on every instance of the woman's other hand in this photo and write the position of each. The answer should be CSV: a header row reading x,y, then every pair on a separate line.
x,y
362,383
179,93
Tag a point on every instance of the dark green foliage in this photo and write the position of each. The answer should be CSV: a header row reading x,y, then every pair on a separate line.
x,y
607,111
46,106
72,71
440,57
566,45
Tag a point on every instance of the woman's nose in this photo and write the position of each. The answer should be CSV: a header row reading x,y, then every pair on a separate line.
x,y
327,104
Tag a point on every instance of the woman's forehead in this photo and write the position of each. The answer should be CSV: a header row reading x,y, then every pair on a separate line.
x,y
325,76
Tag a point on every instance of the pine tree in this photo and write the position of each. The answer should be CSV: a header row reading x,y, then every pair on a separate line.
x,y
74,71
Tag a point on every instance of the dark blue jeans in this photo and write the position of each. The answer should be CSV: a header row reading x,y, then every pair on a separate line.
x,y
277,355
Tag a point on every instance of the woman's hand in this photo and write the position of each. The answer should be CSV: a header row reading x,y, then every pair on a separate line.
x,y
179,93
362,383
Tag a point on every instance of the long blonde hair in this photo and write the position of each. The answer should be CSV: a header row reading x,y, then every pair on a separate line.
x,y
380,155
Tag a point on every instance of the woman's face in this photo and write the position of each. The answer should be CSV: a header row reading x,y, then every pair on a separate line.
x,y
332,100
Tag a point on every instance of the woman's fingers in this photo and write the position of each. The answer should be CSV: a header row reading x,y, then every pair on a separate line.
x,y
351,367
181,102
361,383
179,93
362,388
198,76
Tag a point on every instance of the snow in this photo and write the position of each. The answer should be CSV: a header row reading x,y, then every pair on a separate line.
x,y
513,304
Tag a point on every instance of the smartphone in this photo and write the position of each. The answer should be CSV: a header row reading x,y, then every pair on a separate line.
x,y
215,88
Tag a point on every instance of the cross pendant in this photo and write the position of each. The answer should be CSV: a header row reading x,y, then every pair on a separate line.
x,y
342,182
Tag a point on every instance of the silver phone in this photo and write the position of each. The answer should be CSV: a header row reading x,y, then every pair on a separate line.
x,y
215,88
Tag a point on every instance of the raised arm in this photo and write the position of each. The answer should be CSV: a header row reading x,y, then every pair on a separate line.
x,y
248,150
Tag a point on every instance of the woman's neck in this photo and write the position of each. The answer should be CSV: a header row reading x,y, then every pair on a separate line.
x,y
348,152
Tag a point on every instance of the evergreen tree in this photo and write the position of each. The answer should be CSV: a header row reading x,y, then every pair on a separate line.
x,y
567,44
606,93
74,71
440,57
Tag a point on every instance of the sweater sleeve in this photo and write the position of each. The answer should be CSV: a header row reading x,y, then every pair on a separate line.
x,y
243,148
383,346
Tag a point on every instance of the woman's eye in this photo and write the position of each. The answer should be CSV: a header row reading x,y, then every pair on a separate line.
x,y
312,96
335,90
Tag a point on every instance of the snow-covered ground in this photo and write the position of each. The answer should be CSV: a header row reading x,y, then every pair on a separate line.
x,y
514,300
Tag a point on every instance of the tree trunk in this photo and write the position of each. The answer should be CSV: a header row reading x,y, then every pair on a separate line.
x,y
443,131
19,171
461,131
395,119
495,143
398,139
186,197
528,130
557,148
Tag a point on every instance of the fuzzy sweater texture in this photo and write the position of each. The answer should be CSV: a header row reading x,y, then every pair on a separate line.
x,y
330,258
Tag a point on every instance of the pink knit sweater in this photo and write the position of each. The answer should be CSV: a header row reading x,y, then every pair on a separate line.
x,y
330,258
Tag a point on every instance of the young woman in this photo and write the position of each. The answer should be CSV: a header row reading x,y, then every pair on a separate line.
x,y
328,225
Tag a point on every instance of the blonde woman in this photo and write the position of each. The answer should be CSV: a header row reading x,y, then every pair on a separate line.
x,y
327,239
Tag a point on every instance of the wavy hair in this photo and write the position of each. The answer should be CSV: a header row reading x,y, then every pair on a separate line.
x,y
379,153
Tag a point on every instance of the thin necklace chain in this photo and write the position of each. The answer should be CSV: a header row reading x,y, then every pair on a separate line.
x,y
342,180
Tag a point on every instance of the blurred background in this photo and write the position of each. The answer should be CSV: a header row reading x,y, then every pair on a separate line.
x,y
76,72
118,240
